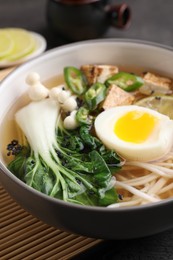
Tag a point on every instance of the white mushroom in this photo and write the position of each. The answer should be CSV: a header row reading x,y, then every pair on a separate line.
x,y
32,78
54,92
70,121
37,90
70,104
63,96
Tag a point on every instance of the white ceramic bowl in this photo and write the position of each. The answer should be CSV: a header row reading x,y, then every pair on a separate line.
x,y
89,221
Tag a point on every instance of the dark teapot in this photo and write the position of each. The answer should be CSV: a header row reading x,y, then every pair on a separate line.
x,y
85,19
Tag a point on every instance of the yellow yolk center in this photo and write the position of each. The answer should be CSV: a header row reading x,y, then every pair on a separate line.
x,y
135,126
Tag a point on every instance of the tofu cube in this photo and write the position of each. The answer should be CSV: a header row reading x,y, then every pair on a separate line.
x,y
98,73
117,97
155,84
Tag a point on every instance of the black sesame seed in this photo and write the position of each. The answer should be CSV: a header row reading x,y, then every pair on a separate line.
x,y
14,142
120,196
9,147
78,181
14,148
79,102
59,153
91,192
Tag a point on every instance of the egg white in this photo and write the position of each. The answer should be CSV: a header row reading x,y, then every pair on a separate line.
x,y
156,146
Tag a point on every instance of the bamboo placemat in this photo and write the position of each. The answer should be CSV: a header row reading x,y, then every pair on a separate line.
x,y
24,237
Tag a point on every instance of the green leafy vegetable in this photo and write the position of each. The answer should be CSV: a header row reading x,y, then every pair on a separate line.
x,y
72,166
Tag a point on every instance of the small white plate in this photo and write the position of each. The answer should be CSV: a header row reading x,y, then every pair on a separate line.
x,y
40,48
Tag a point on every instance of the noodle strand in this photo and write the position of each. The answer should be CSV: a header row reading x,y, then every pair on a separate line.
x,y
137,192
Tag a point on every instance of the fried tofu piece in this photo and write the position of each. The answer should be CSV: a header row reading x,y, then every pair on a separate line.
x,y
117,97
98,73
155,84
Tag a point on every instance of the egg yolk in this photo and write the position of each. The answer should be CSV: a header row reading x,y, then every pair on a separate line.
x,y
135,126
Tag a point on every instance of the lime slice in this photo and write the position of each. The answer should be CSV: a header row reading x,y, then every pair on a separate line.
x,y
162,104
6,43
24,43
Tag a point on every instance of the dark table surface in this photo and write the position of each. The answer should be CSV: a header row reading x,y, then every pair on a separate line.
x,y
151,21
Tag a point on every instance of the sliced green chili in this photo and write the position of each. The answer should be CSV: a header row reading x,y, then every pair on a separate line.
x,y
83,117
75,80
126,81
95,95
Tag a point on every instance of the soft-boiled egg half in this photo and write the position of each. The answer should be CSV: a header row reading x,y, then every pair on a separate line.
x,y
135,133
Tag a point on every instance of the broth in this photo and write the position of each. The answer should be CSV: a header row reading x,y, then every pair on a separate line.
x,y
10,130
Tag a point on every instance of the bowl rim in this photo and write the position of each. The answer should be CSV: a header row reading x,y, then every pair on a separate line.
x,y
46,54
